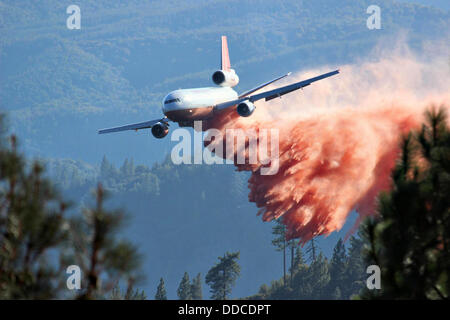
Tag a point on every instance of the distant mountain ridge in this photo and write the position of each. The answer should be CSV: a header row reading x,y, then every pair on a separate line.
x,y
59,86
129,54
182,217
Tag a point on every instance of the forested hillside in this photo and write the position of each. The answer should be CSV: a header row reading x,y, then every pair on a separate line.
x,y
59,86
128,54
183,217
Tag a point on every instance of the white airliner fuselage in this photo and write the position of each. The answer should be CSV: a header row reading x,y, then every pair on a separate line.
x,y
184,106
187,105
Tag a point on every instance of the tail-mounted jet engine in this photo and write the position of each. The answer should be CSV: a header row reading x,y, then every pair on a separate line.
x,y
225,78
245,108
160,130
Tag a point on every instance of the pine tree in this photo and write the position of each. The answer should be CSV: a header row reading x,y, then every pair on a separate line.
x,y
338,267
104,168
312,250
127,169
318,277
279,231
32,222
300,285
161,293
107,171
129,294
315,281
184,289
196,288
293,245
94,247
298,261
355,274
222,276
410,241
264,292
32,219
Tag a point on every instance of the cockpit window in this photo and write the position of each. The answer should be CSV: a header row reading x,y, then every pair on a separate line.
x,y
172,100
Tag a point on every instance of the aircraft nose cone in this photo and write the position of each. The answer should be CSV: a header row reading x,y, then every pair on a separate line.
x,y
170,102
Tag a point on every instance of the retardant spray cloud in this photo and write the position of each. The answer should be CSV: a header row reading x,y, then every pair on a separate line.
x,y
339,138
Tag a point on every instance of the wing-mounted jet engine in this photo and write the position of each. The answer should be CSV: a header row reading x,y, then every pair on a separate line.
x,y
245,108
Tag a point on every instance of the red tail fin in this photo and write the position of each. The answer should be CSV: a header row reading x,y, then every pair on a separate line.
x,y
225,56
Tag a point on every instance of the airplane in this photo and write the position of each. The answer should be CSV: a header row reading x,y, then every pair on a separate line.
x,y
184,106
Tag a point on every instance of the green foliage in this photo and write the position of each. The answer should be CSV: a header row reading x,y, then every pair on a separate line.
x,y
129,178
184,289
312,250
93,245
161,293
186,184
129,294
410,239
223,275
280,243
196,288
356,268
338,268
298,261
33,225
339,278
279,231
119,67
318,277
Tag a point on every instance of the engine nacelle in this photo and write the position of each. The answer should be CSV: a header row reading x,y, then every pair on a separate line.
x,y
160,130
245,108
225,78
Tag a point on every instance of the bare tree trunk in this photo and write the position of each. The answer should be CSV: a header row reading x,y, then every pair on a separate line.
x,y
284,260
292,261
313,249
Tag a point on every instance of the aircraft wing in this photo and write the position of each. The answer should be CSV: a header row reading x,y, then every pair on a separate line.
x,y
271,94
246,93
134,126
